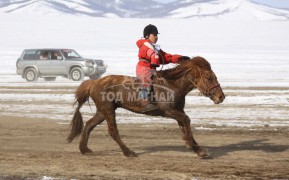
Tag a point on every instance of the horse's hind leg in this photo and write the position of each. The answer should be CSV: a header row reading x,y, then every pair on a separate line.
x,y
89,126
113,131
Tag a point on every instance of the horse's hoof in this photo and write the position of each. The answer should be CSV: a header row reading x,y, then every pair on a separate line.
x,y
202,152
188,146
130,154
85,150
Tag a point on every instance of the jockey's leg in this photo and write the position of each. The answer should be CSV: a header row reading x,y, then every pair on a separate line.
x,y
145,75
145,98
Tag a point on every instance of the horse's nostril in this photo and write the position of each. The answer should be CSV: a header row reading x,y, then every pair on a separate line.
x,y
222,97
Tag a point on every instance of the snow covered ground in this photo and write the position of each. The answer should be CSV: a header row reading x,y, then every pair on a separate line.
x,y
250,58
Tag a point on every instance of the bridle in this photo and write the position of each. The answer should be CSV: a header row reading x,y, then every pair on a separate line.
x,y
209,91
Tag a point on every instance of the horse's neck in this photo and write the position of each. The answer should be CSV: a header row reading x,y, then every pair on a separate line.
x,y
181,85
184,85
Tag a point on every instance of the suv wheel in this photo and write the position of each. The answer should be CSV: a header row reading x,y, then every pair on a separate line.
x,y
76,74
50,78
31,75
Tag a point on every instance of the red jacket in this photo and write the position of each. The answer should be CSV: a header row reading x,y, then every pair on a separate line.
x,y
151,57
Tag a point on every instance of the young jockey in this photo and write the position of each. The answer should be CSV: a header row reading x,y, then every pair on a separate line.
x,y
150,57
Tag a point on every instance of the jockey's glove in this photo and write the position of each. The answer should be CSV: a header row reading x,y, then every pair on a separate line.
x,y
184,58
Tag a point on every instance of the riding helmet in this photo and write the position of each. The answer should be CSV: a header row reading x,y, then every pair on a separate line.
x,y
150,29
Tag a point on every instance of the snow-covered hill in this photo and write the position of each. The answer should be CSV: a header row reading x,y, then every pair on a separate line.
x,y
235,9
96,8
238,9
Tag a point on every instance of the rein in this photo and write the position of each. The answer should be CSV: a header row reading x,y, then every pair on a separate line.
x,y
207,91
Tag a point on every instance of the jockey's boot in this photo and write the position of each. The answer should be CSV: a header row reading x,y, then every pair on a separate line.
x,y
145,97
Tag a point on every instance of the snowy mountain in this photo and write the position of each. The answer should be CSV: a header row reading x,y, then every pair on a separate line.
x,y
240,9
235,9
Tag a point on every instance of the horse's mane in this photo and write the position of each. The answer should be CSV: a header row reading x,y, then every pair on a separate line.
x,y
178,71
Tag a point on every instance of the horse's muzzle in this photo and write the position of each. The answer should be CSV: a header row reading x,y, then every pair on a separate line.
x,y
218,97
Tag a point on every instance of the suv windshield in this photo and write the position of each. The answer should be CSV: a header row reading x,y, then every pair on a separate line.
x,y
69,53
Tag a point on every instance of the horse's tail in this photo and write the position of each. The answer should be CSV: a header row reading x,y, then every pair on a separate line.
x,y
81,96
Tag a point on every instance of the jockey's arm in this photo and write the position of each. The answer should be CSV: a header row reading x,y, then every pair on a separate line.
x,y
169,58
154,57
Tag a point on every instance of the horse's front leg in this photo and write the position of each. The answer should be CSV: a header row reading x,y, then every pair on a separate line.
x,y
185,125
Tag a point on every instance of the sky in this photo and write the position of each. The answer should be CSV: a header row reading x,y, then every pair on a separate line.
x,y
274,3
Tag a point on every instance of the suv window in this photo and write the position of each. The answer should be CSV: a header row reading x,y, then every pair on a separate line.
x,y
69,53
55,55
42,55
29,54
45,55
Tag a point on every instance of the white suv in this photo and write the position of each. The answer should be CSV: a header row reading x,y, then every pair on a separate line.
x,y
50,63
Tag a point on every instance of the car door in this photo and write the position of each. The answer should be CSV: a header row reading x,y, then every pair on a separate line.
x,y
56,64
42,62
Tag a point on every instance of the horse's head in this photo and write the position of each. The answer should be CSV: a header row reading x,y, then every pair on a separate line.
x,y
203,78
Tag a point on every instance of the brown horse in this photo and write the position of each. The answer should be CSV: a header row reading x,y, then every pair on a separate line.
x,y
169,90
